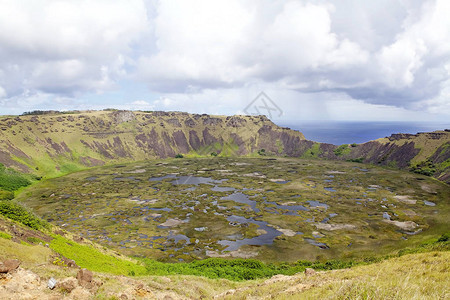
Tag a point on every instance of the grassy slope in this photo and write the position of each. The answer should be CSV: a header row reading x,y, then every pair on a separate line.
x,y
411,276
415,276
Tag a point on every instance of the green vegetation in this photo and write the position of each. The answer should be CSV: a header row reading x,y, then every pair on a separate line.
x,y
262,152
214,154
89,257
426,168
34,240
356,160
313,152
179,155
280,147
94,259
6,195
39,112
4,235
18,213
354,145
11,180
341,150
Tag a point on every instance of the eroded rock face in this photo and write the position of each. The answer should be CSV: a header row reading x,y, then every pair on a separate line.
x,y
386,154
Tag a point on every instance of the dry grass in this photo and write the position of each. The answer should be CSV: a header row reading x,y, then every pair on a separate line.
x,y
415,276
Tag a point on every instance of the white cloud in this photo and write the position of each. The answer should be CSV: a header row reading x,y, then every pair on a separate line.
x,y
211,44
210,56
66,47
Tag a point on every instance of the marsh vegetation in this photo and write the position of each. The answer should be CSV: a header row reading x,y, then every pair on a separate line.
x,y
271,209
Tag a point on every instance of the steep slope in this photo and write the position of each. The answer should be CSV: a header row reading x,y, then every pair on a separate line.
x,y
426,153
56,143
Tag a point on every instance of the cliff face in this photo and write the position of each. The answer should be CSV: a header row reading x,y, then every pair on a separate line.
x,y
57,143
425,153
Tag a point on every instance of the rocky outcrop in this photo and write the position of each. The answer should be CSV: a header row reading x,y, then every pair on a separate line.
x,y
385,153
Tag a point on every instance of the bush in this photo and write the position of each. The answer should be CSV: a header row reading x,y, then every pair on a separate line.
x,y
213,153
341,150
20,214
354,145
262,152
426,168
356,160
40,112
179,155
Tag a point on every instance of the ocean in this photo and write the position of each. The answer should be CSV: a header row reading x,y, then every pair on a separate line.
x,y
337,132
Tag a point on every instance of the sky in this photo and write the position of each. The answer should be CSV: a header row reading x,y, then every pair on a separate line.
x,y
352,60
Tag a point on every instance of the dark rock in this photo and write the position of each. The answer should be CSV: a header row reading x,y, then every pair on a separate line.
x,y
174,122
189,123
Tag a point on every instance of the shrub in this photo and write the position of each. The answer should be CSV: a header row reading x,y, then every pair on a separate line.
x,y
213,153
426,168
354,145
179,155
40,112
20,214
357,160
262,152
341,150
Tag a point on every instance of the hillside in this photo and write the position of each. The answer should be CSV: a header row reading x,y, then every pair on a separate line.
x,y
426,153
29,258
58,143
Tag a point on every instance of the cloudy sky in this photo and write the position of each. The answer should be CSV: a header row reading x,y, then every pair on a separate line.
x,y
378,60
